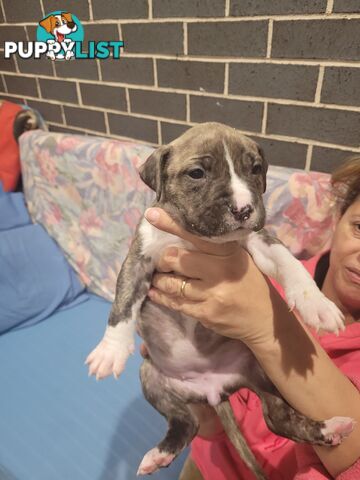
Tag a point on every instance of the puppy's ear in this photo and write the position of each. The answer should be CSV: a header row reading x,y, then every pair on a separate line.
x,y
48,23
264,167
67,16
152,172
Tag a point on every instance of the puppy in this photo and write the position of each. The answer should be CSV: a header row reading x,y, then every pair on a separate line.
x,y
210,180
59,26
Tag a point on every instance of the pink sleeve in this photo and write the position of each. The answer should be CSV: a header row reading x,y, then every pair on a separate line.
x,y
353,472
309,465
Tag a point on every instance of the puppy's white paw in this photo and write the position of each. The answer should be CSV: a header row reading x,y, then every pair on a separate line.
x,y
153,460
108,358
336,429
315,309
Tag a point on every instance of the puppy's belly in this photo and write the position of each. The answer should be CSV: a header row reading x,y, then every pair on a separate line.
x,y
196,361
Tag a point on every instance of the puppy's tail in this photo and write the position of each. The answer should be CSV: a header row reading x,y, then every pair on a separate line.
x,y
231,428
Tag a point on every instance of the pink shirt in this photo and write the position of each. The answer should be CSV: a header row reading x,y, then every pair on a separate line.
x,y
281,459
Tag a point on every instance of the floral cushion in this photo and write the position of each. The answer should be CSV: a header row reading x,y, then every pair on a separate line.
x,y
300,210
87,194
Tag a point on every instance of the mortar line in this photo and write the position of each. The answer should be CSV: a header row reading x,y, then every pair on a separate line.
x,y
227,8
264,118
16,65
78,91
150,5
188,107
155,73
107,123
53,69
127,94
185,43
99,69
63,114
4,82
3,10
226,79
269,38
120,31
38,87
329,7
159,132
91,13
27,34
319,84
276,61
308,158
42,8
250,18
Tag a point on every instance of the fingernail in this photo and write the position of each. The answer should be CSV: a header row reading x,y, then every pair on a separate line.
x,y
152,215
172,252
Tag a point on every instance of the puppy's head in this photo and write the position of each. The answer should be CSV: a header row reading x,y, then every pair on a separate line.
x,y
211,180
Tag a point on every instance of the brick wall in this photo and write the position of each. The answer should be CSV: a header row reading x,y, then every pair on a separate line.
x,y
285,72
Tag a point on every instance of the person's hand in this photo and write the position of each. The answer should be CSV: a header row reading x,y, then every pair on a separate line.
x,y
224,290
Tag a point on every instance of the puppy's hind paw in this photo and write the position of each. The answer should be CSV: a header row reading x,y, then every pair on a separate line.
x,y
336,429
153,460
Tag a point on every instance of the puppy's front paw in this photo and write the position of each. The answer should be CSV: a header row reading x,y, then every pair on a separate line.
x,y
108,358
315,309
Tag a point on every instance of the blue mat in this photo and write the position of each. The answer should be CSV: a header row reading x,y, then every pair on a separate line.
x,y
56,423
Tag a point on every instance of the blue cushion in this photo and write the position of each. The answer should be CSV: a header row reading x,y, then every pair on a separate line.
x,y
35,277
57,423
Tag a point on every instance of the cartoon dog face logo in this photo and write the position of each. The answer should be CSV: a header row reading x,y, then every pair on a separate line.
x,y
59,25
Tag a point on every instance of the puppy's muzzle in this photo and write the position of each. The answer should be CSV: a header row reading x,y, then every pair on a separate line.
x,y
243,214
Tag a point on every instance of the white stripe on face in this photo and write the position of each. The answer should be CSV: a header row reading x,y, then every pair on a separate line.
x,y
241,193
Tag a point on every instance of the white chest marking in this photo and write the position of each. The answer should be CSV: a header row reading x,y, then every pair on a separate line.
x,y
241,192
154,241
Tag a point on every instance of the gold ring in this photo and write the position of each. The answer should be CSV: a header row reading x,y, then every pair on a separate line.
x,y
182,289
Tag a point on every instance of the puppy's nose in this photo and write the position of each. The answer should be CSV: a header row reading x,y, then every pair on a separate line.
x,y
71,24
242,214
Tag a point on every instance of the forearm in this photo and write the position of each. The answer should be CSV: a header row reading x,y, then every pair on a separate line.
x,y
310,381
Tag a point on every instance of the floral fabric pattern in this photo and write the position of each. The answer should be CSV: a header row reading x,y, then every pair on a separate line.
x,y
88,195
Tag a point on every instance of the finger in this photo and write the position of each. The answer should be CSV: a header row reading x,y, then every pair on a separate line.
x,y
172,284
193,309
194,265
162,220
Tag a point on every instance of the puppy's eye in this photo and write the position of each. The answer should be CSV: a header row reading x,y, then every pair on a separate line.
x,y
256,169
57,24
196,173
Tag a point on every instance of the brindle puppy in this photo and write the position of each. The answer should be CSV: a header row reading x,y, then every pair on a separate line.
x,y
210,180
